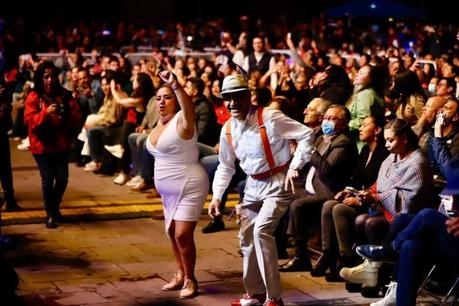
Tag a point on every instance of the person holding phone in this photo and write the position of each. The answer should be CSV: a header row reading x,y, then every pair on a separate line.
x,y
444,143
421,240
338,215
52,115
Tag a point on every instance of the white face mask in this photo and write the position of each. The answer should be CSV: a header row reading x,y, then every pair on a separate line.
x,y
432,88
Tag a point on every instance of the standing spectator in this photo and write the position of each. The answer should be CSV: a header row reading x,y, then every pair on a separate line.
x,y
52,116
6,174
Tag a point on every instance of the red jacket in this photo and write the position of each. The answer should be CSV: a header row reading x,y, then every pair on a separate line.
x,y
51,133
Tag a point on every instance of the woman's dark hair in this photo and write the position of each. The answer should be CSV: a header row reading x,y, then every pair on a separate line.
x,y
380,122
38,79
402,128
264,96
146,90
406,83
378,77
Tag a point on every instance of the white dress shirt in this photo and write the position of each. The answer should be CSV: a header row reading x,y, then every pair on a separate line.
x,y
247,146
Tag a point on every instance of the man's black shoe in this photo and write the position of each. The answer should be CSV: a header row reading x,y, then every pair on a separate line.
x,y
296,264
377,253
215,225
333,277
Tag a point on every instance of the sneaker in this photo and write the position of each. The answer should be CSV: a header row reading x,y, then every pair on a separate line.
x,y
390,299
24,145
116,150
248,300
215,225
92,166
142,187
189,289
121,179
366,273
134,181
175,284
377,253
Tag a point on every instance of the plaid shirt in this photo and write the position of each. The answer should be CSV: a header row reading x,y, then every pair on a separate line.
x,y
405,186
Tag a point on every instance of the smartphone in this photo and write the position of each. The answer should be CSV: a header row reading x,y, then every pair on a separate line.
x,y
441,118
352,189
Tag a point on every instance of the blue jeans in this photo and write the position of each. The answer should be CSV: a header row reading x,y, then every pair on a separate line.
x,y
142,161
54,173
425,237
210,163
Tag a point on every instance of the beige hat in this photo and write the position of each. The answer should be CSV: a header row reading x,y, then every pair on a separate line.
x,y
234,83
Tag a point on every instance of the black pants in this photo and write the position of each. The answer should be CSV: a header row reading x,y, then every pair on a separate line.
x,y
6,176
54,172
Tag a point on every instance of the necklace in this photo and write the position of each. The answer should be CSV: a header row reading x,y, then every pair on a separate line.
x,y
165,119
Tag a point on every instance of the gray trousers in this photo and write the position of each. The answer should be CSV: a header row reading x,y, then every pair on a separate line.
x,y
265,201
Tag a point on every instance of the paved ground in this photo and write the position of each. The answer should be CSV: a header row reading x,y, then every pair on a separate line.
x,y
123,261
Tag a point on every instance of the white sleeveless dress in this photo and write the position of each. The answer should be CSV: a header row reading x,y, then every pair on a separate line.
x,y
180,178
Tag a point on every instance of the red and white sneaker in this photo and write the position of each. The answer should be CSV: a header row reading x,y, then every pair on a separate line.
x,y
248,300
273,302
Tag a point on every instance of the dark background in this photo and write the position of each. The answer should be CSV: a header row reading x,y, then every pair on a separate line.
x,y
187,10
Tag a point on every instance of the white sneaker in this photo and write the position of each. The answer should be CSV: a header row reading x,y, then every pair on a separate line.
x,y
121,179
24,145
116,150
91,166
390,299
134,181
366,273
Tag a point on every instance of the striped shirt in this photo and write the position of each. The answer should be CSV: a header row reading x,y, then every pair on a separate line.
x,y
405,186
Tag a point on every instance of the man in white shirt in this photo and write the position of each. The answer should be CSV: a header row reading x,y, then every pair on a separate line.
x,y
259,139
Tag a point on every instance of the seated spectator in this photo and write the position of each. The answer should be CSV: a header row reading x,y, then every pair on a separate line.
x,y
427,238
338,215
444,144
425,123
367,98
142,160
408,96
109,115
404,185
333,158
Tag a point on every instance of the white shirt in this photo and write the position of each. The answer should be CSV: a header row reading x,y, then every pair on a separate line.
x,y
247,146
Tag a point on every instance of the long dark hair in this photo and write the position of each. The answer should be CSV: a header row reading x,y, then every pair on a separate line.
x,y
38,79
146,89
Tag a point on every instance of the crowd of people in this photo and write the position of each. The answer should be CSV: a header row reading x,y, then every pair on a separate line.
x,y
354,132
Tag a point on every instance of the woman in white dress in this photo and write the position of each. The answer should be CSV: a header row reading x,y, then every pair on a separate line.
x,y
179,178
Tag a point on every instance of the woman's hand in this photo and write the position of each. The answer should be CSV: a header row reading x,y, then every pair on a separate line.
x,y
352,201
168,78
340,196
52,109
365,196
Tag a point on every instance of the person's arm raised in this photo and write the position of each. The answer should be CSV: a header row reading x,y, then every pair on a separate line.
x,y
186,121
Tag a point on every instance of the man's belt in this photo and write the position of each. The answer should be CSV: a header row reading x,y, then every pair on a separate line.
x,y
271,172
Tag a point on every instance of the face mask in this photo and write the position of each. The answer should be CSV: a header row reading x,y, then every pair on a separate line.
x,y
328,127
431,88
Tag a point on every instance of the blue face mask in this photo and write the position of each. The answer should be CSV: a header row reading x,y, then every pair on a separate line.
x,y
432,88
328,127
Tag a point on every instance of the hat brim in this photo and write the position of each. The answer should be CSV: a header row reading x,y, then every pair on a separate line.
x,y
232,91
